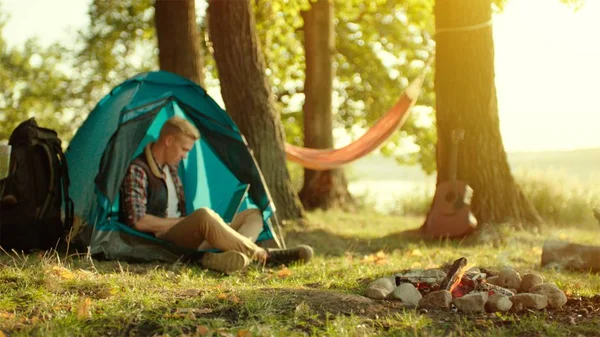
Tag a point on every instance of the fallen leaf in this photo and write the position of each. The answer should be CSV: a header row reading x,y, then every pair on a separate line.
x,y
202,330
381,261
222,296
85,273
283,273
2,334
61,272
233,298
6,315
378,258
84,310
536,250
244,333
416,252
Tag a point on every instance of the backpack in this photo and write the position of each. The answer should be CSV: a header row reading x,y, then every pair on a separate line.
x,y
31,196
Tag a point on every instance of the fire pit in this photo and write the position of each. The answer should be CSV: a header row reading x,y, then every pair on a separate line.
x,y
467,289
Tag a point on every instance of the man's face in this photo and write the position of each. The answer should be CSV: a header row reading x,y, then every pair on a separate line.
x,y
178,147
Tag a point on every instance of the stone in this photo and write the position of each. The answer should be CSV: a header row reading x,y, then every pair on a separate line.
x,y
571,255
530,280
498,302
472,302
380,288
436,300
407,294
530,301
556,297
509,278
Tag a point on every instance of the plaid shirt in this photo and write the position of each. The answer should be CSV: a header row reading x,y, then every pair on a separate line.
x,y
134,192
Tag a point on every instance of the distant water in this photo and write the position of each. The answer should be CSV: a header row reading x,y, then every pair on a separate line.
x,y
383,182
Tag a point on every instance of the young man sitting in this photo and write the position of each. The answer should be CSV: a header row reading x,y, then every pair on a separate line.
x,y
153,201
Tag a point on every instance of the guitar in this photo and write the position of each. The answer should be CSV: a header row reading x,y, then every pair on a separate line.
x,y
450,214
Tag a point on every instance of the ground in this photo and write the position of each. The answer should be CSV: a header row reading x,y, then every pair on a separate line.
x,y
53,295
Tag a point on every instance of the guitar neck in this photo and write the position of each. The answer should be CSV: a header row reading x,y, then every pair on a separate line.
x,y
454,162
457,136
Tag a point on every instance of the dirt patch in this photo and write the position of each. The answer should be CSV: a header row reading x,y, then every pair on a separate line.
x,y
323,301
581,309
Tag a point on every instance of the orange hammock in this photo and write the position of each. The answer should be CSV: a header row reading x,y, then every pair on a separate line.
x,y
327,159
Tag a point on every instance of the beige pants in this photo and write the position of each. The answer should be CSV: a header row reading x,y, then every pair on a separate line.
x,y
204,229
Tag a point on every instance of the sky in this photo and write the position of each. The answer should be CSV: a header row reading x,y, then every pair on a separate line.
x,y
547,65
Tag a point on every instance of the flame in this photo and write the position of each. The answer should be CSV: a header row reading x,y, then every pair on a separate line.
x,y
459,276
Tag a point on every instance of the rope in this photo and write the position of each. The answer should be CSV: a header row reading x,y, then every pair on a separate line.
x,y
462,29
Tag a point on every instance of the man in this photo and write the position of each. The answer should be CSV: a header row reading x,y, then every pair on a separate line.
x,y
153,201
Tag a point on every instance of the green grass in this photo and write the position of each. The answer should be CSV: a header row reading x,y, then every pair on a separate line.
x,y
48,295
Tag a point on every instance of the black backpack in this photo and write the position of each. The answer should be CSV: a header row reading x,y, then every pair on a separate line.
x,y
31,196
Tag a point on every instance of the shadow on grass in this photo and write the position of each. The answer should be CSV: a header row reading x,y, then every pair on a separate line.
x,y
333,244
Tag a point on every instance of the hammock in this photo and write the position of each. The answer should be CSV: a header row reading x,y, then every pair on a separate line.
x,y
327,159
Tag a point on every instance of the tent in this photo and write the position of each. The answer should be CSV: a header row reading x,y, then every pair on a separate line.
x,y
220,171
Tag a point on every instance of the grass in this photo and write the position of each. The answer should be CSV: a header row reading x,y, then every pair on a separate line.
x,y
49,295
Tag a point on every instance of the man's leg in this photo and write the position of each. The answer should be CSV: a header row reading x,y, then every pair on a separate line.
x,y
204,224
249,224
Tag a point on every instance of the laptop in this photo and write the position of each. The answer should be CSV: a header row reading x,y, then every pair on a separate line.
x,y
236,202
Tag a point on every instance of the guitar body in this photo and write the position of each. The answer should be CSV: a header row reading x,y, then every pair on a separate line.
x,y
450,215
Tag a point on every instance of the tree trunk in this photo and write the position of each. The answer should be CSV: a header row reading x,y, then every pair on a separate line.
x,y
178,39
248,97
322,189
466,98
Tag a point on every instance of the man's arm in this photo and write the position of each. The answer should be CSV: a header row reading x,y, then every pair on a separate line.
x,y
154,224
135,185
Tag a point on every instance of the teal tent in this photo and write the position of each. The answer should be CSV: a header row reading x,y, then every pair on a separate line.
x,y
220,172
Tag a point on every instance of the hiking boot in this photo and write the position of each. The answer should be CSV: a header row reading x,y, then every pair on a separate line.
x,y
226,262
300,254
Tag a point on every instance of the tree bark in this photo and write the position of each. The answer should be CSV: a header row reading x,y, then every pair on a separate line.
x,y
321,189
466,98
179,39
248,97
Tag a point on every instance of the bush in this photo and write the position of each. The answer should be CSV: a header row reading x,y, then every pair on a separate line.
x,y
559,198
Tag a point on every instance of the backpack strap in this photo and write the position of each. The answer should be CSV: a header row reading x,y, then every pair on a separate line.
x,y
66,182
52,183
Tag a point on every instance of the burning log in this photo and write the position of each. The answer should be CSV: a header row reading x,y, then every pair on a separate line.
x,y
494,289
454,274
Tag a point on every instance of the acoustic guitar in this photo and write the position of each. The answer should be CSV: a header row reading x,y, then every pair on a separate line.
x,y
450,214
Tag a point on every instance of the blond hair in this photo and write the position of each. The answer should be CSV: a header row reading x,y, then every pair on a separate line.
x,y
179,125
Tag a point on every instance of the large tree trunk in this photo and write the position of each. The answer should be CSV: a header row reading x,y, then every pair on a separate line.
x,y
248,98
322,189
178,39
466,98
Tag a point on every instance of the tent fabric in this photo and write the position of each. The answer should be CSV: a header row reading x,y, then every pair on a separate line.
x,y
392,120
118,129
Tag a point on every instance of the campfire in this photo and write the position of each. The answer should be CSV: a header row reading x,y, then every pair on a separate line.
x,y
468,288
